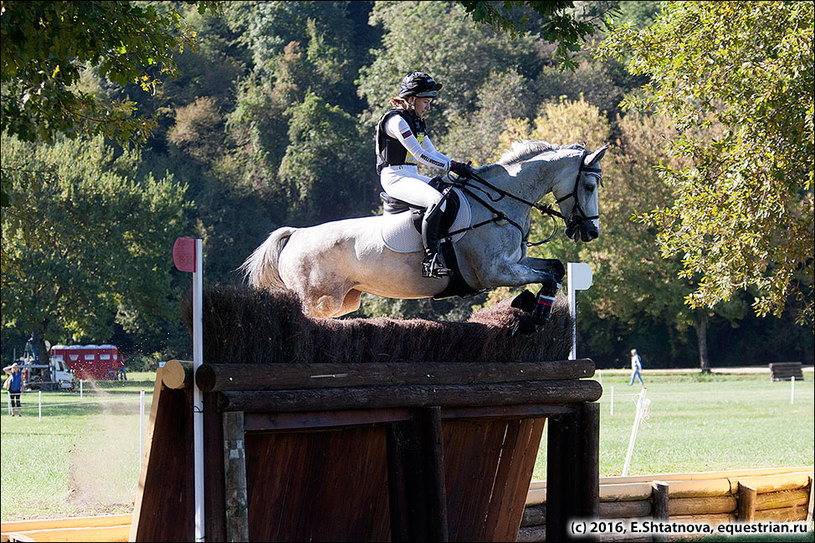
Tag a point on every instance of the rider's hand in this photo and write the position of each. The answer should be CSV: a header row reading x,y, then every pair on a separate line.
x,y
460,169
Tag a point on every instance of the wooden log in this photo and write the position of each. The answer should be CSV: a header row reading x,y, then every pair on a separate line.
x,y
69,522
534,515
784,514
430,420
532,534
177,374
629,509
625,492
659,498
561,459
223,377
721,518
89,535
773,483
702,505
235,493
416,483
589,460
747,502
530,392
214,490
693,489
783,498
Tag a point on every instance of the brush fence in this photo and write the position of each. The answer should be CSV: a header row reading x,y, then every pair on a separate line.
x,y
778,495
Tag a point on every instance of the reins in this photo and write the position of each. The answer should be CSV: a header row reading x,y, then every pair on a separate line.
x,y
544,209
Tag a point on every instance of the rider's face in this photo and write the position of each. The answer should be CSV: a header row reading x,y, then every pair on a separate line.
x,y
421,105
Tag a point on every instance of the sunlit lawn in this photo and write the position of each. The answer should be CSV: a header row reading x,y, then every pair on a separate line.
x,y
82,458
704,423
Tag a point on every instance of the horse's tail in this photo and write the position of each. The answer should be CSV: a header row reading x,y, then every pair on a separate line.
x,y
260,269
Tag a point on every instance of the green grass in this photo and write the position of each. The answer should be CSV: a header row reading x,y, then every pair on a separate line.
x,y
83,457
704,423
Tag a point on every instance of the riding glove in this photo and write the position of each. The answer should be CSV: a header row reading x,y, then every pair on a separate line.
x,y
460,169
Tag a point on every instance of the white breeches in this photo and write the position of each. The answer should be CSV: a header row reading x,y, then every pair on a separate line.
x,y
406,184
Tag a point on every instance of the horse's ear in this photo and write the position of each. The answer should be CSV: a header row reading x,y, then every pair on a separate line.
x,y
595,156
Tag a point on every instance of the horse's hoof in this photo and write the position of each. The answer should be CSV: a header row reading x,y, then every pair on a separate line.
x,y
524,326
525,301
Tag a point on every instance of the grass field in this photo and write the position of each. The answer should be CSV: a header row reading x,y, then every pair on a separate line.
x,y
82,458
707,422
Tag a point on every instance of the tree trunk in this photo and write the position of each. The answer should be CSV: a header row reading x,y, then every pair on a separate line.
x,y
701,334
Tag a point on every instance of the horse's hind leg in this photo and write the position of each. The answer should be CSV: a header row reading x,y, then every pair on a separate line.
x,y
331,305
351,302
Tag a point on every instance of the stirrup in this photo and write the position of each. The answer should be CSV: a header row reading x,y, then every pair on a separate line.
x,y
433,267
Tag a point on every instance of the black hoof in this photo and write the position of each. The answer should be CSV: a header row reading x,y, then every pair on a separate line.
x,y
525,301
524,326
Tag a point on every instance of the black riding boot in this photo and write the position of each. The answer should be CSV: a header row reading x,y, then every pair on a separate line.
x,y
433,264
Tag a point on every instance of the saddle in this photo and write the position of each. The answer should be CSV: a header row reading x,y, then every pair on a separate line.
x,y
394,206
401,237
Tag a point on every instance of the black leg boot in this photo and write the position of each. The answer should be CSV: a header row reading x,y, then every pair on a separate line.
x,y
433,264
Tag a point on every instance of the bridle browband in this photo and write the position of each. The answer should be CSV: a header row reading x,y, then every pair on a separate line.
x,y
572,222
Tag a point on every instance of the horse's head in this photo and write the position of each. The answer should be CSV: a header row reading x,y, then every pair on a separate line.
x,y
577,198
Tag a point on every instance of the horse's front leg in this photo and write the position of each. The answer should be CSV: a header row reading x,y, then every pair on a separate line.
x,y
524,272
551,265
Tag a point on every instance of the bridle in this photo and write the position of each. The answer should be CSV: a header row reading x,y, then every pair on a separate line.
x,y
573,221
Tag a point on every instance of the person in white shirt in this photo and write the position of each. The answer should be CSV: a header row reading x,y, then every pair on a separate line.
x,y
636,367
402,143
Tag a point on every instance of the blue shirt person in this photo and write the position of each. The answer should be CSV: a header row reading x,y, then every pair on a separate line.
x,y
636,367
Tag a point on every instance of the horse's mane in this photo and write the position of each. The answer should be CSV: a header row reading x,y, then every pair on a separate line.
x,y
521,150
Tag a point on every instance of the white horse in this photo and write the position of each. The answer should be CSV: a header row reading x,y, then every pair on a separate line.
x,y
330,265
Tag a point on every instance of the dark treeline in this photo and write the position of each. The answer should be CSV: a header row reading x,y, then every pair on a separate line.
x,y
271,122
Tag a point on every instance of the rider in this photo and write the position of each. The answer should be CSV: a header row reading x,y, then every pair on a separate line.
x,y
401,143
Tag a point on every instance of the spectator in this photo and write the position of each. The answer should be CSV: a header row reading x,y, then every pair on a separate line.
x,y
15,387
636,367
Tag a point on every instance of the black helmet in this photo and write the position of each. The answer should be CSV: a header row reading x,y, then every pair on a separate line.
x,y
419,84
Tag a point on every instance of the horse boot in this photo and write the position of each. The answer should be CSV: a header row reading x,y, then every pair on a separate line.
x,y
433,264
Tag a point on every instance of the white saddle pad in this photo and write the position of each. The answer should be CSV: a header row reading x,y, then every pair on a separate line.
x,y
400,236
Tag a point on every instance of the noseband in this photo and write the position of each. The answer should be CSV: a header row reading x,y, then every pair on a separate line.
x,y
578,216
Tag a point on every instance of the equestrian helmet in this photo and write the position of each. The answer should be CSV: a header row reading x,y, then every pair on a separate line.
x,y
418,84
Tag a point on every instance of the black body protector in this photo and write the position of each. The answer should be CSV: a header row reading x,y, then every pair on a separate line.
x,y
391,152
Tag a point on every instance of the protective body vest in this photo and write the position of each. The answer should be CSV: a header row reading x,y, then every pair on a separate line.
x,y
390,151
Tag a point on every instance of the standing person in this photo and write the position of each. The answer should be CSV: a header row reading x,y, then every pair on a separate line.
x,y
402,143
15,387
636,367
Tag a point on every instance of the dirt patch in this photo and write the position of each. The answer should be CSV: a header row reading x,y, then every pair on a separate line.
x,y
101,460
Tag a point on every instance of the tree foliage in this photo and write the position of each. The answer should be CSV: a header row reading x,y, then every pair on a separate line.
x,y
46,46
270,121
556,22
85,244
743,213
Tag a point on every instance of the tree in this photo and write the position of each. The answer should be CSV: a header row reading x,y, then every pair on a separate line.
x,y
556,22
743,213
85,243
437,38
46,45
634,284
321,168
